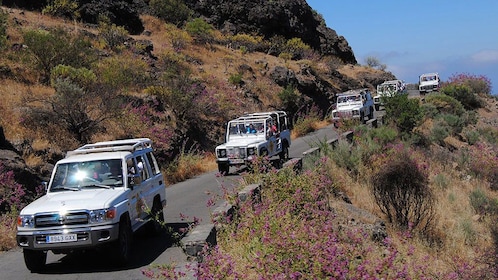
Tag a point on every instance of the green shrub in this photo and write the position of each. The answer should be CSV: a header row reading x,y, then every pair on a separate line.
x,y
289,97
437,103
62,8
472,136
123,73
172,11
113,36
248,42
482,204
296,48
464,94
402,112
235,79
200,30
489,133
51,48
79,76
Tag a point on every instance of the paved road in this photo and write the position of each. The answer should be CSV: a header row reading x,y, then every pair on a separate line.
x,y
186,201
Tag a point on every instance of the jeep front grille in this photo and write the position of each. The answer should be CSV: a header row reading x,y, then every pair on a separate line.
x,y
236,152
55,219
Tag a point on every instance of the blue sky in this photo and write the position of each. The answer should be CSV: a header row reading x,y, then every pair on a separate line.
x,y
415,37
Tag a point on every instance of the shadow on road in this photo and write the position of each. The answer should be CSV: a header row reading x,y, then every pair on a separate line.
x,y
146,249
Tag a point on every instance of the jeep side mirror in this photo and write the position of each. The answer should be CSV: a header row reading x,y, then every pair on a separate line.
x,y
45,185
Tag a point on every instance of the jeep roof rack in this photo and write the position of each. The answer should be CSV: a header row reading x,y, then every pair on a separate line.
x,y
113,146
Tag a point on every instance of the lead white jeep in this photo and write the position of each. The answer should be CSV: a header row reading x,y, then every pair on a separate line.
x,y
97,196
353,104
253,135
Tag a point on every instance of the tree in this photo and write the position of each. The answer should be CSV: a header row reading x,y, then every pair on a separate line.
x,y
79,106
51,48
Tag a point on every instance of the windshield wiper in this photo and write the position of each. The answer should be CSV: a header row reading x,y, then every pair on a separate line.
x,y
63,188
99,186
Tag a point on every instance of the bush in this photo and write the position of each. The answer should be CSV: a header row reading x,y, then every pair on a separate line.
x,y
200,30
482,204
51,48
112,35
464,94
62,8
478,84
402,112
296,48
250,43
172,11
401,190
441,103
289,97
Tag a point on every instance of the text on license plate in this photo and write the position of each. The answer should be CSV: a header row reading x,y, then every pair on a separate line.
x,y
61,238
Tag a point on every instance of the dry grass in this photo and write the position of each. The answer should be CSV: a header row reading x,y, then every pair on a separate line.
x,y
458,233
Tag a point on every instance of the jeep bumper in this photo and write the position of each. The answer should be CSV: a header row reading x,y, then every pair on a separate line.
x,y
67,238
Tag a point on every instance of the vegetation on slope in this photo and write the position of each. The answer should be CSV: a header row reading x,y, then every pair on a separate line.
x,y
439,205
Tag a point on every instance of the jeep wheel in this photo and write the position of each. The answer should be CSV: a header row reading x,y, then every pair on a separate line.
x,y
284,154
122,247
224,168
34,260
156,224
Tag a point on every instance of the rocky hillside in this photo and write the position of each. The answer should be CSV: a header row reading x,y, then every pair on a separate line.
x,y
329,68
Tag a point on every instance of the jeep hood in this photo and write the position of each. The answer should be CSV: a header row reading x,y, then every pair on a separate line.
x,y
89,199
243,142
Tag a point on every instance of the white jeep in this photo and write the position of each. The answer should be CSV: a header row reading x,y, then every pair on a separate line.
x,y
428,82
388,89
353,104
98,195
253,135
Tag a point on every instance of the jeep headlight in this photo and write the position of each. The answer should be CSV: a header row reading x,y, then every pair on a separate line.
x,y
356,112
101,215
222,153
26,221
251,151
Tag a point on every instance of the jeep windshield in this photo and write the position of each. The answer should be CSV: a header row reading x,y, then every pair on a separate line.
x,y
245,128
347,99
387,88
88,174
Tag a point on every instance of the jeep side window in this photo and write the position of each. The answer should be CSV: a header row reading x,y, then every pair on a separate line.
x,y
153,164
142,165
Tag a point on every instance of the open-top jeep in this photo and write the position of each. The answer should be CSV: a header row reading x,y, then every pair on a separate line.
x,y
99,194
388,89
353,104
253,135
429,82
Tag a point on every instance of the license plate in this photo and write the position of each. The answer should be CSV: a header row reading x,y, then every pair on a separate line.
x,y
237,161
61,238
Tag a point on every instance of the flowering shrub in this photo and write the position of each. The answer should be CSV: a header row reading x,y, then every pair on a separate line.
x,y
12,194
483,162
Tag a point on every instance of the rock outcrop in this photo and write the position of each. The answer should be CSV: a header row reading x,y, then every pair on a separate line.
x,y
287,18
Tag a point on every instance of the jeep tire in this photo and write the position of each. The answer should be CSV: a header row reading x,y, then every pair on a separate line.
x,y
156,224
34,260
122,247
284,154
224,168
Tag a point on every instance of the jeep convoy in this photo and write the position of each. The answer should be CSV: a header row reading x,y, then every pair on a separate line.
x,y
97,196
253,135
428,82
388,89
353,104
